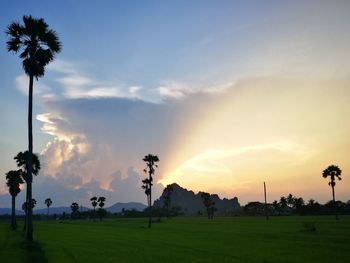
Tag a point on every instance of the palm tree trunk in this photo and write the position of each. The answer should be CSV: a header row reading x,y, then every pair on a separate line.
x,y
29,233
13,215
150,204
334,204
47,217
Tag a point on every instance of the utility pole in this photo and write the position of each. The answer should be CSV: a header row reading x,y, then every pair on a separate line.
x,y
266,212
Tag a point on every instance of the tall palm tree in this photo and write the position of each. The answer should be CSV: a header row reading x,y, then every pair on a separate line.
x,y
101,203
333,172
48,203
94,204
13,181
37,45
22,159
150,161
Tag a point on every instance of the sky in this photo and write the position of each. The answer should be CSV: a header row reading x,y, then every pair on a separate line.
x,y
228,94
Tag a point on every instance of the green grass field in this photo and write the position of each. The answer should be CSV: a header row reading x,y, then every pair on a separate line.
x,y
239,239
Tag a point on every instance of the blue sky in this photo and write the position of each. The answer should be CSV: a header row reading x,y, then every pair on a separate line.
x,y
173,60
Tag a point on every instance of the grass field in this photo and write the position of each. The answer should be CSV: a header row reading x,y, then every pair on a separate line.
x,y
239,239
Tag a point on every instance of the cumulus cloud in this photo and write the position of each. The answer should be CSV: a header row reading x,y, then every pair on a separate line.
x,y
224,143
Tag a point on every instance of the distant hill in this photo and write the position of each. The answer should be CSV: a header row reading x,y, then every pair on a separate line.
x,y
117,207
7,211
192,204
58,210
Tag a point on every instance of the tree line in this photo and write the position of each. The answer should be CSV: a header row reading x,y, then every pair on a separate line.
x,y
292,205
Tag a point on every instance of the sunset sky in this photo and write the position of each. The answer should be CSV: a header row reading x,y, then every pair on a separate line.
x,y
228,94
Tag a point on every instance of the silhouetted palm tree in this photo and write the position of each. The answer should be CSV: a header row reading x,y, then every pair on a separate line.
x,y
37,45
48,203
333,172
101,203
13,181
151,161
22,160
94,204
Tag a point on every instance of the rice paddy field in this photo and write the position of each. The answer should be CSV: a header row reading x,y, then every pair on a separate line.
x,y
236,239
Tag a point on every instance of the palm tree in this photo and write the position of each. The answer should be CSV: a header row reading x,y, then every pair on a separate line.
x,y
333,172
101,203
37,45
13,181
151,161
94,204
22,160
48,203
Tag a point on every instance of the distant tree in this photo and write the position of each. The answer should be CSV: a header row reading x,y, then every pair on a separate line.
x,y
299,205
312,207
333,172
94,204
48,203
209,204
283,203
75,210
254,208
290,200
276,207
101,203
13,181
22,160
167,198
150,161
37,45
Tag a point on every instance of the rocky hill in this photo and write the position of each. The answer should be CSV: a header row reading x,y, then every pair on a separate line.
x,y
191,203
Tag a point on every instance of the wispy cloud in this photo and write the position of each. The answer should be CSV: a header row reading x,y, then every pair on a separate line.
x,y
69,80
22,82
180,90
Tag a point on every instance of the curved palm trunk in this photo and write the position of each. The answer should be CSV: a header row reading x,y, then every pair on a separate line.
x,y
334,204
13,215
29,232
